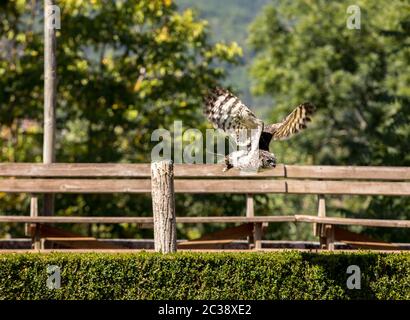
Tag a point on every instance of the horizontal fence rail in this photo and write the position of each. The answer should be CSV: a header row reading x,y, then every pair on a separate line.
x,y
199,186
120,170
230,219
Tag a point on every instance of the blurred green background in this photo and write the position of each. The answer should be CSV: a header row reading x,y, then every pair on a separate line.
x,y
126,68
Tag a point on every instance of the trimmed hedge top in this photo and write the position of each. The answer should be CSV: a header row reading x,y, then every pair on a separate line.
x,y
185,275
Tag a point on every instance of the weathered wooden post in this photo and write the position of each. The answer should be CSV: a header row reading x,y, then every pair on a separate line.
x,y
34,228
163,205
50,92
257,227
325,232
50,96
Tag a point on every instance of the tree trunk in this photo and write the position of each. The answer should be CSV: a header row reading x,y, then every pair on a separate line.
x,y
163,204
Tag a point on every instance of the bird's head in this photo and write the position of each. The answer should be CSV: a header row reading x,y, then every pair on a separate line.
x,y
268,160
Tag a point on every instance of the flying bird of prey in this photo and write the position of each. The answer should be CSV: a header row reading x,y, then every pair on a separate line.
x,y
225,111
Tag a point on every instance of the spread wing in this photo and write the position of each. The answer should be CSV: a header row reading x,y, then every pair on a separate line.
x,y
225,111
295,122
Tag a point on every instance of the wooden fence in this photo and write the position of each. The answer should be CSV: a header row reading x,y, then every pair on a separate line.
x,y
323,181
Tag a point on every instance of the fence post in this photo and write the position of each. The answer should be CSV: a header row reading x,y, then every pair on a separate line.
x,y
50,95
257,235
163,205
35,228
250,213
257,227
330,237
317,227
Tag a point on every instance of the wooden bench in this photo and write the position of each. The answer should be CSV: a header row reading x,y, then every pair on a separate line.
x,y
36,179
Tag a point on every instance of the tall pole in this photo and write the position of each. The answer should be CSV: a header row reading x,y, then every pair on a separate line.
x,y
50,92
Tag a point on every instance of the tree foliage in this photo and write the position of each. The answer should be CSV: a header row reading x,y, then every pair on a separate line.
x,y
359,79
229,21
125,68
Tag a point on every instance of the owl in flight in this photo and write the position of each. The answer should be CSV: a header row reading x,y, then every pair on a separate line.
x,y
225,111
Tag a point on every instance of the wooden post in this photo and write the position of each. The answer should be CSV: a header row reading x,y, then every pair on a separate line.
x,y
257,235
36,244
250,203
330,237
318,228
250,212
257,227
50,95
30,227
163,205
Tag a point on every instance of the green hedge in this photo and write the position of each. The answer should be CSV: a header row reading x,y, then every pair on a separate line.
x,y
279,275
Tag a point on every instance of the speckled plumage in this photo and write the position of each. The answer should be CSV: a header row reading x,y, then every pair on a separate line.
x,y
225,111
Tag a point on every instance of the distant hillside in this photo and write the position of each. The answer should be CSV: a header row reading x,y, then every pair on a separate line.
x,y
229,21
